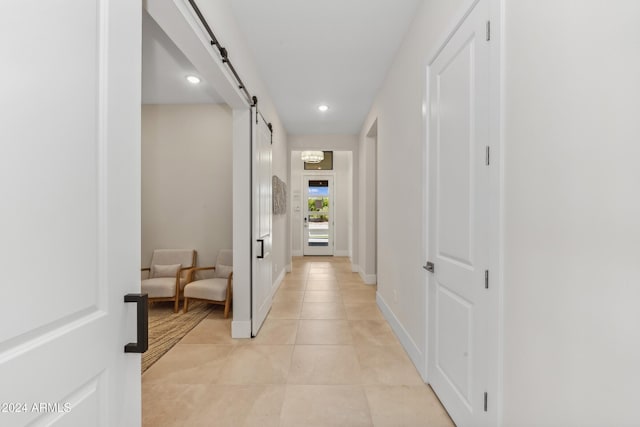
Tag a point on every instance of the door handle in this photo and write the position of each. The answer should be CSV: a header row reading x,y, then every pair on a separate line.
x,y
430,267
142,300
261,248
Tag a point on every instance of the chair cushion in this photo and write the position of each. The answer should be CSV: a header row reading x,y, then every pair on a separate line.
x,y
158,270
222,271
159,287
211,289
225,257
173,256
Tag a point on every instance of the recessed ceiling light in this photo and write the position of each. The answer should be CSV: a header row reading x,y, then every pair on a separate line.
x,y
193,80
323,108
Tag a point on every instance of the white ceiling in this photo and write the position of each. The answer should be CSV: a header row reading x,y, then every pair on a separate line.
x,y
333,52
164,68
311,52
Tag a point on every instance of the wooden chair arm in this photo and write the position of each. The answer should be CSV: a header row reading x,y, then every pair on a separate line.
x,y
179,271
202,268
184,269
192,270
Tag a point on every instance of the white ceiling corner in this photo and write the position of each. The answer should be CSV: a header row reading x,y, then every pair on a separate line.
x,y
164,71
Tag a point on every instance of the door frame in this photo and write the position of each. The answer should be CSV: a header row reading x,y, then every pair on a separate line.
x,y
369,231
496,198
332,209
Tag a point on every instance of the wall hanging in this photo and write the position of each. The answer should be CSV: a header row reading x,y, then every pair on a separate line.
x,y
279,189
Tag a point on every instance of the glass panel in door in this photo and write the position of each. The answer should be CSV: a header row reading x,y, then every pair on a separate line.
x,y
317,221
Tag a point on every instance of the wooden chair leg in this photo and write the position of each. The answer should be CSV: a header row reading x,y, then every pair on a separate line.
x,y
186,305
176,304
226,307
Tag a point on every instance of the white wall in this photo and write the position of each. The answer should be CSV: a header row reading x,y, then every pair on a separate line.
x,y
343,165
398,111
342,170
186,179
571,207
329,142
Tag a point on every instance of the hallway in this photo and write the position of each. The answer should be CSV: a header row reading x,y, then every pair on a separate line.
x,y
324,357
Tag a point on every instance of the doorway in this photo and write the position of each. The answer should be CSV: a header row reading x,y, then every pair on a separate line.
x,y
186,174
341,203
318,215
368,203
184,26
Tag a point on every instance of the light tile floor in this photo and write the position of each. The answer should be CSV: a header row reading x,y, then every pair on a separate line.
x,y
324,357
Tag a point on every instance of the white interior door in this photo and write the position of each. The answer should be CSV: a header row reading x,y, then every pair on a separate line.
x,y
261,282
70,222
317,215
458,132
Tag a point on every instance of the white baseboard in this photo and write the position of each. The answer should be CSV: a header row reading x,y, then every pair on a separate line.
x,y
415,354
277,282
355,268
369,279
287,268
335,253
241,329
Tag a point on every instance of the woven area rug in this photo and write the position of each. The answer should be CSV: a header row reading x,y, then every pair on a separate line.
x,y
166,328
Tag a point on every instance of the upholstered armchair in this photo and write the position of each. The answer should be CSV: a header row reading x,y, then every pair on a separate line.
x,y
216,290
168,274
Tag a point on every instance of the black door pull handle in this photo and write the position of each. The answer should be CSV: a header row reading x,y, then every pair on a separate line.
x,y
143,323
261,248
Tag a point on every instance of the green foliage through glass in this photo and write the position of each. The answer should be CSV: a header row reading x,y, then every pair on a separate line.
x,y
311,202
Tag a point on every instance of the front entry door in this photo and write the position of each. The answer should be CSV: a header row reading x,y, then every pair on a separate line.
x,y
261,282
458,85
317,221
70,217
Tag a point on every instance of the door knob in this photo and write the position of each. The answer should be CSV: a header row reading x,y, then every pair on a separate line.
x,y
430,267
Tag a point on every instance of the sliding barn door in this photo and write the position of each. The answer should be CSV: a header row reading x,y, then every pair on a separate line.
x,y
261,281
70,217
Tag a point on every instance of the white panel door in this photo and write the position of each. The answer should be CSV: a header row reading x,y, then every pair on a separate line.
x,y
318,215
261,283
70,217
458,133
